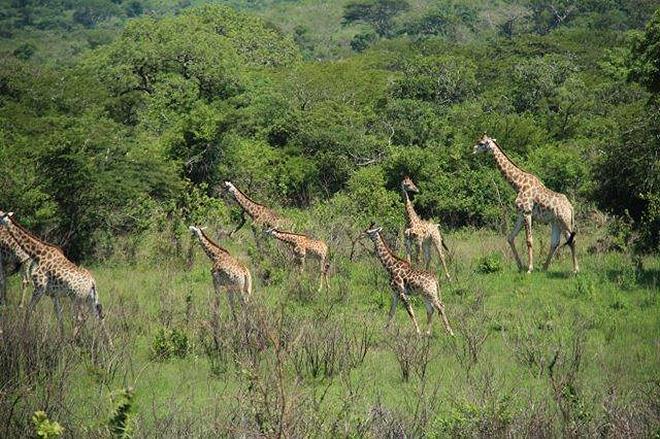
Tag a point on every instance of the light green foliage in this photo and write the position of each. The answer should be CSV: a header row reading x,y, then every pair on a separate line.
x,y
122,419
44,427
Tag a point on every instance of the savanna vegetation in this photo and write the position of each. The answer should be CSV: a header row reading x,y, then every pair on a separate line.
x,y
120,119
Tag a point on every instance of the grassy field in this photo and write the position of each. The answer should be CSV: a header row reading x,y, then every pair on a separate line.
x,y
541,355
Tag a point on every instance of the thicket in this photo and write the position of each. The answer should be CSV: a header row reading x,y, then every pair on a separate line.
x,y
140,130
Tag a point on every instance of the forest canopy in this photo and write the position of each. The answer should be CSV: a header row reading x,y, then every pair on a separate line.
x,y
113,111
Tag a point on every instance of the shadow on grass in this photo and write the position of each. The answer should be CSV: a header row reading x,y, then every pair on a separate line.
x,y
645,278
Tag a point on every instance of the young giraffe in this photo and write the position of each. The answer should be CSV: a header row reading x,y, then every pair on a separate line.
x,y
301,245
533,200
54,275
420,233
261,215
406,280
227,271
12,260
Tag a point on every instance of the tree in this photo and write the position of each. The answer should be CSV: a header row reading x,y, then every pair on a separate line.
x,y
645,57
376,13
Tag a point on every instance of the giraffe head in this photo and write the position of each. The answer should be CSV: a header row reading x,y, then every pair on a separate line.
x,y
195,230
5,217
408,185
372,231
484,144
230,186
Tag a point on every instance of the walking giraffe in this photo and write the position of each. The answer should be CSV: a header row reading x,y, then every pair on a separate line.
x,y
261,215
533,200
406,280
56,276
421,234
12,260
301,245
227,271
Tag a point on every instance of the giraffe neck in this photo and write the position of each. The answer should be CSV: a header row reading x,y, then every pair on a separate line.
x,y
247,204
411,215
212,250
26,241
384,253
286,237
11,246
512,173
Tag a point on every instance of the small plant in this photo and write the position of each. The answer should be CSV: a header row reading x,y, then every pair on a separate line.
x,y
44,427
490,263
170,343
120,420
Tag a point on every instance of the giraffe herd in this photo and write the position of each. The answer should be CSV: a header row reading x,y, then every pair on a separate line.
x,y
53,274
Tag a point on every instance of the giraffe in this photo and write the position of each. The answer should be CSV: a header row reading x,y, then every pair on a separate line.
x,y
533,200
421,233
12,260
301,245
406,280
261,215
227,271
56,276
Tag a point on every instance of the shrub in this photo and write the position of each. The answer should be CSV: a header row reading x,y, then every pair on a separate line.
x,y
490,263
120,421
44,427
170,343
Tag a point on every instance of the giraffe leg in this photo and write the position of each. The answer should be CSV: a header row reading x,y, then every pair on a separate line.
x,y
427,254
408,242
529,241
441,310
429,315
576,268
512,239
420,250
36,296
395,302
554,245
232,301
78,318
3,284
57,306
411,313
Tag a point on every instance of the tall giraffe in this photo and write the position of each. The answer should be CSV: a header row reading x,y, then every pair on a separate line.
x,y
227,271
301,245
12,260
533,200
56,276
261,215
406,280
421,234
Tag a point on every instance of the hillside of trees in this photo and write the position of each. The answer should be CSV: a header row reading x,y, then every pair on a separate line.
x,y
115,115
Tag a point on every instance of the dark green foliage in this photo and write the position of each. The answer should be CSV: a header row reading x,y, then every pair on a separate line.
x,y
170,343
120,423
490,263
377,13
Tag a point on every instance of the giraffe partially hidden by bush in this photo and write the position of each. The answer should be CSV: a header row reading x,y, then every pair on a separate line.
x,y
301,246
421,234
56,276
12,260
533,199
406,280
227,271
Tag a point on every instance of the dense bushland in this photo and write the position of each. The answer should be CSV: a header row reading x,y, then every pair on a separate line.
x,y
97,147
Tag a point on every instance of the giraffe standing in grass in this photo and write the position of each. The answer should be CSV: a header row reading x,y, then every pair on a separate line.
x,y
12,260
421,234
406,280
227,271
533,200
54,275
262,216
301,246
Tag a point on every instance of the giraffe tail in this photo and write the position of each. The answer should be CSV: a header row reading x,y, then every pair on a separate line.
x,y
571,236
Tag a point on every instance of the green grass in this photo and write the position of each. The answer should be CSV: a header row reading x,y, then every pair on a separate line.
x,y
609,311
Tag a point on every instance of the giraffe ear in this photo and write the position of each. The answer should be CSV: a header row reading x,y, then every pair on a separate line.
x,y
10,214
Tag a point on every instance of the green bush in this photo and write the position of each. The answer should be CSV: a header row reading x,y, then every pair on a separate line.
x,y
170,343
44,427
490,263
